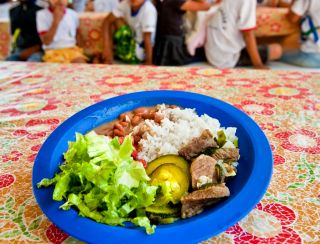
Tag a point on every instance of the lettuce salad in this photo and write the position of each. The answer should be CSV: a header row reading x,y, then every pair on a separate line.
x,y
101,179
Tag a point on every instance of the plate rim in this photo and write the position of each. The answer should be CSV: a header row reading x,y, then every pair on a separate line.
x,y
263,153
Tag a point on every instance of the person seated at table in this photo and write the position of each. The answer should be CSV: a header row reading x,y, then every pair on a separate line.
x,y
170,47
306,13
58,30
130,31
26,42
230,37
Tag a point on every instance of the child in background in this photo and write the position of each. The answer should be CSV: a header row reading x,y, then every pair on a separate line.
x,y
130,30
170,47
27,44
306,12
58,29
230,37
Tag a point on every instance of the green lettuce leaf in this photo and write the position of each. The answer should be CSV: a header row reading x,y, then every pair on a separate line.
x,y
101,179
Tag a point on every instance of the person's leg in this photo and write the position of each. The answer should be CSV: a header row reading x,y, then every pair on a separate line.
x,y
302,59
267,53
15,56
79,60
35,57
274,51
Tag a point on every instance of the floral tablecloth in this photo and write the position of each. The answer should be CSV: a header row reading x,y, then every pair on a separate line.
x,y
36,98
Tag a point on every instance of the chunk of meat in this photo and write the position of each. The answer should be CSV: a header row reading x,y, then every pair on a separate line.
x,y
195,202
203,167
226,154
197,145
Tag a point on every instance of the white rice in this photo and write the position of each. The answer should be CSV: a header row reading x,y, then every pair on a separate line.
x,y
177,128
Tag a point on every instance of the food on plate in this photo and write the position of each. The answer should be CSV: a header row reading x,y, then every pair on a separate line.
x,y
152,165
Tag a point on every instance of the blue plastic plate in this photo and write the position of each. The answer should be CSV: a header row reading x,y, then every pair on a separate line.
x,y
247,188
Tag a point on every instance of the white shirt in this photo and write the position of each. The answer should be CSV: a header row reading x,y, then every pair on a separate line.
x,y
105,5
224,31
311,8
4,11
145,20
65,36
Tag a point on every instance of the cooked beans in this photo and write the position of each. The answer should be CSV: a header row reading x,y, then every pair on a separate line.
x,y
118,132
126,121
118,126
140,110
136,120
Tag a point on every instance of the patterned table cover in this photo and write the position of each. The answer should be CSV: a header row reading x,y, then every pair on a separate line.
x,y
4,38
36,98
274,22
270,22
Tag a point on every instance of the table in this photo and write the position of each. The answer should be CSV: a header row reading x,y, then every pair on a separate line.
x,y
4,38
271,22
36,98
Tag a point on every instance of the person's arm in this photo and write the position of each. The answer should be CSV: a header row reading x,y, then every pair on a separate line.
x,y
284,4
148,47
293,17
252,48
107,38
191,5
27,52
79,39
48,36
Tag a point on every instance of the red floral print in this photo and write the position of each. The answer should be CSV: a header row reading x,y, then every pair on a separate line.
x,y
94,34
102,96
283,214
244,82
285,92
33,79
313,105
253,107
209,72
275,27
35,106
295,75
119,80
160,75
300,141
32,128
12,156
55,235
268,126
179,85
6,180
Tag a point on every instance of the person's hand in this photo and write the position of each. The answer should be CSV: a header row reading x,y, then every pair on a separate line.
x,y
261,66
58,13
